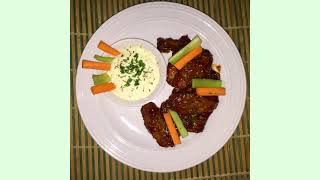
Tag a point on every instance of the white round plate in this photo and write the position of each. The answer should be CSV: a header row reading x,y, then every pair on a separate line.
x,y
120,131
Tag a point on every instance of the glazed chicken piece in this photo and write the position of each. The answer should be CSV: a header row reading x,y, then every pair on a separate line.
x,y
199,67
156,125
174,45
193,110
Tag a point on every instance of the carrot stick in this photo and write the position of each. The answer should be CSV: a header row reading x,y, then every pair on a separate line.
x,y
188,57
95,65
172,128
108,49
102,88
211,91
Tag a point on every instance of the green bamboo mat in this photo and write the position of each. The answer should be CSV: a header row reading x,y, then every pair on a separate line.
x,y
90,162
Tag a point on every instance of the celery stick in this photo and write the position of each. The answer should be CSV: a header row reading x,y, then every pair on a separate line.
x,y
206,83
104,59
196,42
179,124
101,78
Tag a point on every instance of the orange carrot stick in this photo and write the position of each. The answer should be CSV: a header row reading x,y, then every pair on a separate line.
x,y
103,88
211,91
172,128
108,49
188,57
95,65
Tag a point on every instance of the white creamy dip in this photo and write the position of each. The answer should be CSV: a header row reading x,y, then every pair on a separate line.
x,y
135,73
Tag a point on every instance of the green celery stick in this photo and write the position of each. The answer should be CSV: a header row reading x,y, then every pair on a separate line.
x,y
179,124
206,83
195,42
101,78
104,59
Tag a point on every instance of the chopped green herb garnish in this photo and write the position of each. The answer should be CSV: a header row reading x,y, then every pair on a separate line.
x,y
136,82
135,68
128,82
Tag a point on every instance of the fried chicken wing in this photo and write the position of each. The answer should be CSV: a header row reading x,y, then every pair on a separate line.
x,y
156,125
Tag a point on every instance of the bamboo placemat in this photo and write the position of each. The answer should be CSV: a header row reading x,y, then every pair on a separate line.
x,y
90,162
